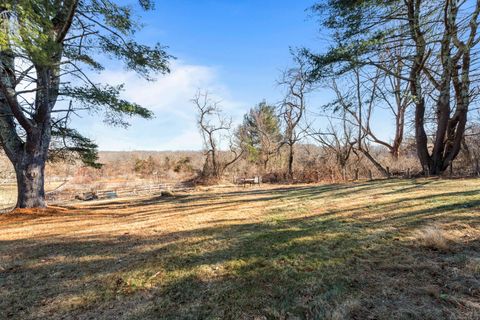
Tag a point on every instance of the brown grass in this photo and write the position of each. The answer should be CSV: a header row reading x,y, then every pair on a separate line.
x,y
8,196
433,237
348,251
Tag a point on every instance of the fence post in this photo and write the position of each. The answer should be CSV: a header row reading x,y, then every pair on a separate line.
x,y
408,173
356,174
370,175
388,172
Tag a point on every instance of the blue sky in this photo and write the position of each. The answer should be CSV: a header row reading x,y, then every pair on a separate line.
x,y
247,40
234,48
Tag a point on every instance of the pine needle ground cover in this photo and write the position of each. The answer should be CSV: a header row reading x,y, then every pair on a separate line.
x,y
393,249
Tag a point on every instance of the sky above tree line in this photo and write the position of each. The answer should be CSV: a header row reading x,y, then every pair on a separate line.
x,y
236,49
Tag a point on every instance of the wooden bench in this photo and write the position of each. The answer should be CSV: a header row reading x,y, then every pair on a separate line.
x,y
250,181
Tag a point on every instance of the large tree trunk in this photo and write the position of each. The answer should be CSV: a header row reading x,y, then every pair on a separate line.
x,y
30,173
455,67
28,159
30,169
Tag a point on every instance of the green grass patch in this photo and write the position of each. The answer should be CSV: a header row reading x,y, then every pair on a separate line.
x,y
347,251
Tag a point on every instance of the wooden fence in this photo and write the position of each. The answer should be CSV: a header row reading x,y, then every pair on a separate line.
x,y
88,193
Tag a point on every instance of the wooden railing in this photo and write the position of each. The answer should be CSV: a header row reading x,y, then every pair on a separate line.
x,y
114,192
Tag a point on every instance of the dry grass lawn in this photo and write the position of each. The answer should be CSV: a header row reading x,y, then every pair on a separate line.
x,y
8,196
395,249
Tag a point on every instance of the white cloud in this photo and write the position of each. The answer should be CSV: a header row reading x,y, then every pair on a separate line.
x,y
174,88
174,126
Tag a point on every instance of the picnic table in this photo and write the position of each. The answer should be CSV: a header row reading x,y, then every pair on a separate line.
x,y
251,181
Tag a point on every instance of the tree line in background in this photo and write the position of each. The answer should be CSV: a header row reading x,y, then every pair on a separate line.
x,y
405,67
409,68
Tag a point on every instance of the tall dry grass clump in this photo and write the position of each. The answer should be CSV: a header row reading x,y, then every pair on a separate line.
x,y
433,237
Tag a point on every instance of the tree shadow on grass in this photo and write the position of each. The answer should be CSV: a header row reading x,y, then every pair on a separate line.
x,y
324,265
256,266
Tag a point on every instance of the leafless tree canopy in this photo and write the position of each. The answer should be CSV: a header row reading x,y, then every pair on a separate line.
x,y
214,128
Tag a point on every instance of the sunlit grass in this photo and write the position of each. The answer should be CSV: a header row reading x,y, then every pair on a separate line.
x,y
279,252
8,196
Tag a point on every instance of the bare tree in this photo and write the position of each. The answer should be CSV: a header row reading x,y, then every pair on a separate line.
x,y
454,39
358,103
337,139
214,127
391,93
292,108
441,67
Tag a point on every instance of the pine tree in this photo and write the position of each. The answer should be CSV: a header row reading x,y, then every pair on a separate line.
x,y
259,134
47,50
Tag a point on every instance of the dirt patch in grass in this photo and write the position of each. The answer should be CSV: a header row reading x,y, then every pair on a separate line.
x,y
353,251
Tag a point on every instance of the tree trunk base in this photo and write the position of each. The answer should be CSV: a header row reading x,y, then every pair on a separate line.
x,y
30,185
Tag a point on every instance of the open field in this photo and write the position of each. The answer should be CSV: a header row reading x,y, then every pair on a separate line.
x,y
393,249
8,195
